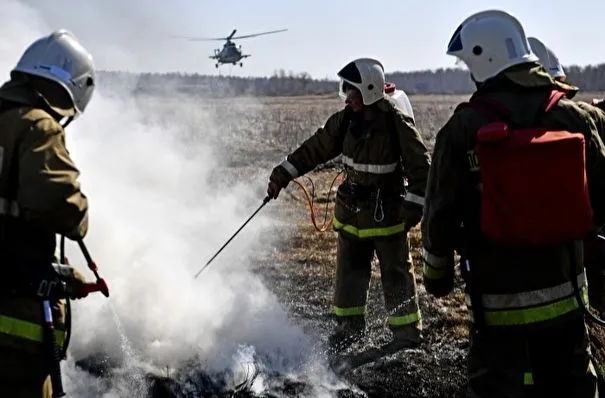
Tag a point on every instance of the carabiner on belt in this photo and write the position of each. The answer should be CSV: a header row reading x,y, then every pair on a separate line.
x,y
378,208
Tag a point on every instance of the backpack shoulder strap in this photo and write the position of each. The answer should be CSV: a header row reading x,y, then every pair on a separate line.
x,y
486,106
553,99
498,112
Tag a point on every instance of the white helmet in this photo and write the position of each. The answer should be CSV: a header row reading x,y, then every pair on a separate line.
x,y
60,58
547,58
366,75
489,42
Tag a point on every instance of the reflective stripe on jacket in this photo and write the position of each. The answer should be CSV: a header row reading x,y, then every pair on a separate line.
x,y
27,330
530,307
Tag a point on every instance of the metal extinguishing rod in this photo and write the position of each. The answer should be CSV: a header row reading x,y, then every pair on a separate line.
x,y
265,201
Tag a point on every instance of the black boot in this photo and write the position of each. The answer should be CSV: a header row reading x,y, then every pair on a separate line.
x,y
405,337
349,330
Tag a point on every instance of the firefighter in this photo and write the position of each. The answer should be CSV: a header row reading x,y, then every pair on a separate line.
x,y
374,211
40,197
521,298
594,247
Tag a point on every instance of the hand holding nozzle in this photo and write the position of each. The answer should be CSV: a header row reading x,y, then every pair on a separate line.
x,y
100,285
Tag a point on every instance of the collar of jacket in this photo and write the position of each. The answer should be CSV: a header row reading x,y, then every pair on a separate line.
x,y
531,75
385,105
27,93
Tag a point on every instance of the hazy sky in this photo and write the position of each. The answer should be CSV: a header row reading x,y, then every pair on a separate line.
x,y
322,34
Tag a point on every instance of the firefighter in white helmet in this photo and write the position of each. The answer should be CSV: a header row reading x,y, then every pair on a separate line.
x,y
594,246
40,197
374,211
521,297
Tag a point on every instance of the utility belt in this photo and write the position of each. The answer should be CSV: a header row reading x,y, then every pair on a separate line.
x,y
360,193
356,197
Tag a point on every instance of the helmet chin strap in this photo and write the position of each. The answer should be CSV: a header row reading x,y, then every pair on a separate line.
x,y
66,121
478,85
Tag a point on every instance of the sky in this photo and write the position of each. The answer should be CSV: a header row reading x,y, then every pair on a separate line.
x,y
322,36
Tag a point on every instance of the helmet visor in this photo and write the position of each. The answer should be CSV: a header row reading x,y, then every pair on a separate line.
x,y
343,87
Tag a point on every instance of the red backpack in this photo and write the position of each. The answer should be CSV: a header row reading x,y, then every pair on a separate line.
x,y
534,185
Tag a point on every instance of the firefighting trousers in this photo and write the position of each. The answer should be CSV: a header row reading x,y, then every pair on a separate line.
x,y
559,357
23,374
353,274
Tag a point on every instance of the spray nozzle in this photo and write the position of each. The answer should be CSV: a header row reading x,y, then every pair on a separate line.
x,y
100,285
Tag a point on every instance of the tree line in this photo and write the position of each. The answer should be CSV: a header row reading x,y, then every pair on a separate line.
x,y
282,83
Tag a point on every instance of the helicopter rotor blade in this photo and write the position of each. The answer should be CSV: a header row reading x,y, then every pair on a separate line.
x,y
193,38
258,34
230,37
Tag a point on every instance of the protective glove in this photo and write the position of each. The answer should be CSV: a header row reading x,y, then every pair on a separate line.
x,y
73,279
279,179
412,215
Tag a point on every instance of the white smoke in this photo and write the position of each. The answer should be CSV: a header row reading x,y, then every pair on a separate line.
x,y
156,217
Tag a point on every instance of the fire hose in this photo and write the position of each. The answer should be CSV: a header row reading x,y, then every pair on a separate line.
x,y
54,354
327,223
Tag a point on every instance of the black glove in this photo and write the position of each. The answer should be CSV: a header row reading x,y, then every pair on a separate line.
x,y
73,280
279,179
412,215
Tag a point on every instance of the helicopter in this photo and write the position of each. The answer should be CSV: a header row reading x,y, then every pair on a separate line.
x,y
230,53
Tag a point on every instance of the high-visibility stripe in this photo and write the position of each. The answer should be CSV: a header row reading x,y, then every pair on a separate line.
x,y
8,207
528,378
413,198
27,330
370,168
290,168
402,320
434,267
525,316
349,311
368,232
531,298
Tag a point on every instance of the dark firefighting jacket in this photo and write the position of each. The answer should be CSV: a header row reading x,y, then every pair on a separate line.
x,y
39,197
380,157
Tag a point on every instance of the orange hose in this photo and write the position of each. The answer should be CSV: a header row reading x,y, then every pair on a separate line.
x,y
310,200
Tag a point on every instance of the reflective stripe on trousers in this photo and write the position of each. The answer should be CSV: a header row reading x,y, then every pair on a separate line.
x,y
393,320
533,306
435,267
27,330
368,232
